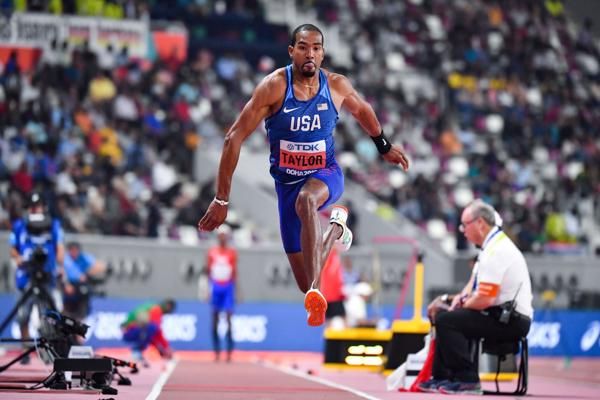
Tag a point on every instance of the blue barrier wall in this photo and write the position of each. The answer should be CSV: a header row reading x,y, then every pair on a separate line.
x,y
282,326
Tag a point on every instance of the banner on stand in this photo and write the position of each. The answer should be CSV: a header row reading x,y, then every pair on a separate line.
x,y
40,30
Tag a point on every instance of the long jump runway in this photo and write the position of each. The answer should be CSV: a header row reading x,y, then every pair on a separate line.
x,y
269,376
287,376
232,381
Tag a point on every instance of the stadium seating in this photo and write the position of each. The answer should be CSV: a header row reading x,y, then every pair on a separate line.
x,y
449,80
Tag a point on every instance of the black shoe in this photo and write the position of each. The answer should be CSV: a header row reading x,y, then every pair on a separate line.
x,y
432,385
25,360
461,388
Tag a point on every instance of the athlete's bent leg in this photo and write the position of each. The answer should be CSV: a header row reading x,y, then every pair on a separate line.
x,y
313,194
297,263
315,246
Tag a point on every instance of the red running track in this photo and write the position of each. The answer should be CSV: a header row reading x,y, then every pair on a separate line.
x,y
243,381
291,375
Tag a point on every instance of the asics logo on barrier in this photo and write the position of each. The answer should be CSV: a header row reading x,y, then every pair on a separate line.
x,y
590,337
246,328
545,335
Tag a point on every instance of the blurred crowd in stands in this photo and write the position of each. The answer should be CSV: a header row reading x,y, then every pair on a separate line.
x,y
116,9
492,99
110,142
134,9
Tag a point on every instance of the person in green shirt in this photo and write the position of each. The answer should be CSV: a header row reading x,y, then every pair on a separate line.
x,y
142,328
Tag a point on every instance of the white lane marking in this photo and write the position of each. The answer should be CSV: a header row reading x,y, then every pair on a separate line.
x,y
290,371
162,379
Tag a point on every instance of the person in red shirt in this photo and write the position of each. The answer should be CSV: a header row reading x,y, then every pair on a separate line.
x,y
221,267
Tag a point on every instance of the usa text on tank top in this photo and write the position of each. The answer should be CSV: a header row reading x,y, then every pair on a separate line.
x,y
301,133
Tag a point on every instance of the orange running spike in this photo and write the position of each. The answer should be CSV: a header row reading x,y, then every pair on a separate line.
x,y
315,305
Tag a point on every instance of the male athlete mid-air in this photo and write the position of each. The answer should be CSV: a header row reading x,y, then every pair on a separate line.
x,y
300,105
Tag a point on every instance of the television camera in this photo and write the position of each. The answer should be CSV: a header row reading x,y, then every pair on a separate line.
x,y
36,265
66,325
39,228
38,223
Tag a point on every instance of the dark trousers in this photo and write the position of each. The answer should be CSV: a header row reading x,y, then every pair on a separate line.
x,y
458,331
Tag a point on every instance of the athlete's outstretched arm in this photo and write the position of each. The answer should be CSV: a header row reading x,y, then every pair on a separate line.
x,y
364,114
254,111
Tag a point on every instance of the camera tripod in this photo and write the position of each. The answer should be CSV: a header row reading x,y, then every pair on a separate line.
x,y
42,298
41,343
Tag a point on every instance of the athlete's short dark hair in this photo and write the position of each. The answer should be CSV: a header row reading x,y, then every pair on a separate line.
x,y
306,27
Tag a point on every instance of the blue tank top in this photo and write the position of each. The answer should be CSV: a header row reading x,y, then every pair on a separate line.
x,y
301,133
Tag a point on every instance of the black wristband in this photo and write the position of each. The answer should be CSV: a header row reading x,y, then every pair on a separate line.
x,y
382,143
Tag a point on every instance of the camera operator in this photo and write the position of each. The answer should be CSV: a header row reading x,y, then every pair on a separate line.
x,y
498,308
81,269
37,248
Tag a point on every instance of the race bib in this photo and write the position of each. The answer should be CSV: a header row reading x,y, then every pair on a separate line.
x,y
221,269
302,155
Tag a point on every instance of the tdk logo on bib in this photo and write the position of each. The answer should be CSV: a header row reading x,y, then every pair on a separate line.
x,y
302,155
305,146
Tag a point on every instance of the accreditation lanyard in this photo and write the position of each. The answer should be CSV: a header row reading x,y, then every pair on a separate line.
x,y
489,239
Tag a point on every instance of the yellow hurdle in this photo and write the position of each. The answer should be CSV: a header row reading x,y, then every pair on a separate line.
x,y
408,335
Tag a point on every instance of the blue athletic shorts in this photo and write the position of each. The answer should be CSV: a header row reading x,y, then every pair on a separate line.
x,y
223,296
140,337
289,222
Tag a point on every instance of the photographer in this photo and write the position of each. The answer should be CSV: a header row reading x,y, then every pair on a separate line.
x,y
36,247
499,307
81,268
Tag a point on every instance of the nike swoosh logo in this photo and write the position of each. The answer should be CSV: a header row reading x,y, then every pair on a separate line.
x,y
289,110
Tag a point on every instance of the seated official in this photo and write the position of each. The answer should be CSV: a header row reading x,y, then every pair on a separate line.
x,y
446,301
498,308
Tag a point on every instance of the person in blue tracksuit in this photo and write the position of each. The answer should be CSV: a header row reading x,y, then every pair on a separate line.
x,y
37,247
80,267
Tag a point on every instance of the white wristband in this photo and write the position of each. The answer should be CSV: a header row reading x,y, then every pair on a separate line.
x,y
220,202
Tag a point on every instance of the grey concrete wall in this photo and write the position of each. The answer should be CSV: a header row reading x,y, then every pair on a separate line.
x,y
264,271
265,274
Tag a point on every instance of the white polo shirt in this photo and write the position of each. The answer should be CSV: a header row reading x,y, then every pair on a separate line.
x,y
502,270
